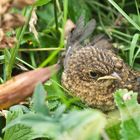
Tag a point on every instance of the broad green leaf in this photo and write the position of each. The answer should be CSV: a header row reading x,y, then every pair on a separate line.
x,y
130,114
114,132
76,8
2,57
39,97
59,111
42,126
113,125
18,131
83,125
135,18
78,125
41,2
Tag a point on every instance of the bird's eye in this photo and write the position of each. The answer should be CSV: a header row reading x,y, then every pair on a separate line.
x,y
93,74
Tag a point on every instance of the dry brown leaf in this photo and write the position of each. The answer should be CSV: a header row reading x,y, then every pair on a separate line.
x,y
6,41
22,3
12,21
69,26
119,21
32,23
9,21
4,6
1,34
22,85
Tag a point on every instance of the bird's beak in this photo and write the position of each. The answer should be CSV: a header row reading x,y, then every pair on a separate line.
x,y
113,76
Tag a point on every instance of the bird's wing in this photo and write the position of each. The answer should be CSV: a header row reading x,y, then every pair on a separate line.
x,y
102,42
77,36
77,32
87,31
81,32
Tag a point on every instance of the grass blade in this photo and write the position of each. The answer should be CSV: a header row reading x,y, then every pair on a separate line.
x,y
124,14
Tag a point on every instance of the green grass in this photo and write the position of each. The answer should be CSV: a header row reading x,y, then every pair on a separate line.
x,y
71,115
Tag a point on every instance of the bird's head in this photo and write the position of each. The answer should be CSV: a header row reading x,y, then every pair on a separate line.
x,y
93,66
93,74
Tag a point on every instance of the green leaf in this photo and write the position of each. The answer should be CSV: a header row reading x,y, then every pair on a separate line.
x,y
39,97
124,14
19,131
83,125
113,125
42,126
130,114
41,2
59,111
132,49
76,8
78,125
2,123
114,132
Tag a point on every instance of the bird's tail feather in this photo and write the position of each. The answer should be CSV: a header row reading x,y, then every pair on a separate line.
x,y
82,31
77,36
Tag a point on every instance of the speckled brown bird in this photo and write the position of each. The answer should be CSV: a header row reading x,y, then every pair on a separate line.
x,y
93,71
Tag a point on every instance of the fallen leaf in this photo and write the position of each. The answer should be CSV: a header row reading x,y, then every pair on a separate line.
x,y
69,26
22,3
12,21
22,85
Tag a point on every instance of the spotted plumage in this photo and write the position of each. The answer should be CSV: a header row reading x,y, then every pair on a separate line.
x,y
93,72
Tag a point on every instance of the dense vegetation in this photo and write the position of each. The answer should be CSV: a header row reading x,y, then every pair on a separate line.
x,y
56,115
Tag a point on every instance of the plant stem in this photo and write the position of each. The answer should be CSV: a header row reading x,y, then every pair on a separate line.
x,y
20,32
61,44
55,14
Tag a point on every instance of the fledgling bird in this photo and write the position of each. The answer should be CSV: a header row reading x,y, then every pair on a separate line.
x,y
93,71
